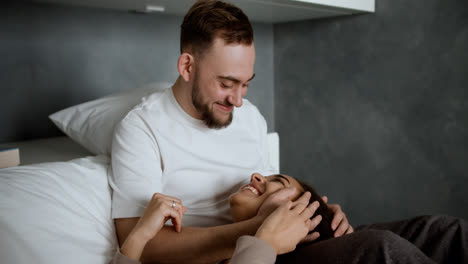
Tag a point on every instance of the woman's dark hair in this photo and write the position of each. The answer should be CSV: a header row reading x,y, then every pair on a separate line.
x,y
324,228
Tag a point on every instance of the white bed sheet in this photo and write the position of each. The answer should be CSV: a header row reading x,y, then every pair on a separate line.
x,y
60,212
57,212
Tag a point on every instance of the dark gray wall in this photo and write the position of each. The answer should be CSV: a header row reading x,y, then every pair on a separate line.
x,y
53,57
373,109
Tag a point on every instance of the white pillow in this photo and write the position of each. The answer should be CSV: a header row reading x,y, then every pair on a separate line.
x,y
273,150
57,212
92,124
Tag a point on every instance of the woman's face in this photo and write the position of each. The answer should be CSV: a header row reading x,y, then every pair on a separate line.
x,y
248,199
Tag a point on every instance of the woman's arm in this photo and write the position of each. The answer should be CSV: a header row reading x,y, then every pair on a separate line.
x,y
279,233
201,244
160,209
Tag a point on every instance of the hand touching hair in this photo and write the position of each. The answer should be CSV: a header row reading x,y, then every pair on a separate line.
x,y
324,228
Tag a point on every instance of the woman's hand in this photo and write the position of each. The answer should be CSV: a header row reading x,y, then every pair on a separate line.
x,y
160,209
274,201
156,214
289,224
340,223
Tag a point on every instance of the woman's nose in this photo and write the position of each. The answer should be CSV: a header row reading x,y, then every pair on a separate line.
x,y
257,177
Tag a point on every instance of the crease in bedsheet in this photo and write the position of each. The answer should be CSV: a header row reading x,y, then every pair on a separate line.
x,y
90,209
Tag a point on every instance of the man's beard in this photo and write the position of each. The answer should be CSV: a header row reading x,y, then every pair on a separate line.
x,y
207,114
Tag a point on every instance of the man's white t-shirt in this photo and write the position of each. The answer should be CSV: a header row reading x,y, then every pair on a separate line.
x,y
158,147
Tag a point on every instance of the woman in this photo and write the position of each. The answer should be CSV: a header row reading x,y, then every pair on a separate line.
x,y
424,239
280,232
427,239
248,199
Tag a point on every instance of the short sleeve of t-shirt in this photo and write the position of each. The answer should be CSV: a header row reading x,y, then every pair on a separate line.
x,y
136,168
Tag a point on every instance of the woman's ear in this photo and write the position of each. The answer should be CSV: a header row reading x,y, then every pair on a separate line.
x,y
185,66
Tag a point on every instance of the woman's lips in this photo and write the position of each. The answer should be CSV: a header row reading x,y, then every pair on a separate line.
x,y
251,188
224,108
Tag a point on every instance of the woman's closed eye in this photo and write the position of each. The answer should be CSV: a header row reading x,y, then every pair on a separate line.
x,y
279,179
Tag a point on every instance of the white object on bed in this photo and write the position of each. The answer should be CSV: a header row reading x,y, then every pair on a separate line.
x,y
64,149
60,212
273,149
92,123
57,213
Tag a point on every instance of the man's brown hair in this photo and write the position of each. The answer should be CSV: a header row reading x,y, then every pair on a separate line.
x,y
208,19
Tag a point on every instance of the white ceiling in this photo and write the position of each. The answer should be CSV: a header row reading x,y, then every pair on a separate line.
x,y
270,11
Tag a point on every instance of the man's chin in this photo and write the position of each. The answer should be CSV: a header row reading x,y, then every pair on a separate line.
x,y
218,122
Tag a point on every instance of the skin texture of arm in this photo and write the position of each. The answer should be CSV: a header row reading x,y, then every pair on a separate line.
x,y
201,245
158,211
192,244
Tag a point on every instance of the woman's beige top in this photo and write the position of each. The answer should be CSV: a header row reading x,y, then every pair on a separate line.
x,y
249,250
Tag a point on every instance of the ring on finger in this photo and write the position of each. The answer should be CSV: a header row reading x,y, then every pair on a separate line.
x,y
173,203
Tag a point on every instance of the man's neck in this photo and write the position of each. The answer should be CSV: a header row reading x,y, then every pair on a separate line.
x,y
183,95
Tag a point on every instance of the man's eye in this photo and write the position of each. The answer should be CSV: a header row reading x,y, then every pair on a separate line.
x,y
225,85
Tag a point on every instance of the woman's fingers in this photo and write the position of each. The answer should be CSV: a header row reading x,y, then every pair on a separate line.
x,y
298,208
314,222
170,201
168,207
167,197
175,214
176,218
310,210
303,201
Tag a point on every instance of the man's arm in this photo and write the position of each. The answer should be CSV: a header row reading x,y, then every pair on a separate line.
x,y
202,245
192,244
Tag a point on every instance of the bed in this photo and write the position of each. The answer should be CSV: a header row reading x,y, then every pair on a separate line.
x,y
56,206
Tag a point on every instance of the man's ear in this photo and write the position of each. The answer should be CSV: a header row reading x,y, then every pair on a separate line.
x,y
185,66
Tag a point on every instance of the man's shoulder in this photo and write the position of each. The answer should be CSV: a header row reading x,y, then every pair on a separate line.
x,y
149,105
149,108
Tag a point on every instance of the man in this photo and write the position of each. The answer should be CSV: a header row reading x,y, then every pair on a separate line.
x,y
197,141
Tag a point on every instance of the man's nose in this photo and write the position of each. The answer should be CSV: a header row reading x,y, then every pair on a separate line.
x,y
235,98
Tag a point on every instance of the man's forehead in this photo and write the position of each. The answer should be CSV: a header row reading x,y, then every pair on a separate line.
x,y
220,50
229,62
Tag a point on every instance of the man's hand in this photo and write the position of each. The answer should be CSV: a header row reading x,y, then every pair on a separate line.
x,y
274,201
289,224
339,223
